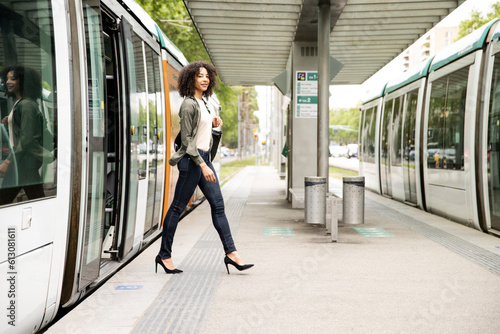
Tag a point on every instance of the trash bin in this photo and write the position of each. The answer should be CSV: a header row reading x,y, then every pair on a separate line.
x,y
315,200
353,200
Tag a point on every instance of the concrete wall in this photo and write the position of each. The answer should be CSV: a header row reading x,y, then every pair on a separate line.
x,y
303,131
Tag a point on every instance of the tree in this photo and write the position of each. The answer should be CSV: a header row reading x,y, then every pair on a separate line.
x,y
230,111
172,17
348,118
477,20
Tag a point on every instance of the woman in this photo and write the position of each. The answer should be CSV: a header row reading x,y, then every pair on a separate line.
x,y
196,80
25,124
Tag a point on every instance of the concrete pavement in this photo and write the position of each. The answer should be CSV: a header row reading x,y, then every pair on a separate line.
x,y
402,271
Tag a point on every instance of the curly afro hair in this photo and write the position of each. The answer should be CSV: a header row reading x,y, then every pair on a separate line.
x,y
29,80
188,74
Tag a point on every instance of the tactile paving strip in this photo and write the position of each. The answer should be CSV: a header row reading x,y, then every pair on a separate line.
x,y
181,305
278,232
373,232
484,258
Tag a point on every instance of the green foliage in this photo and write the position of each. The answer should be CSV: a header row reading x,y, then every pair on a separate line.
x,y
186,38
228,97
169,16
339,173
345,117
477,20
241,163
229,112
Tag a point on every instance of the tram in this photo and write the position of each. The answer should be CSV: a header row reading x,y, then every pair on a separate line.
x,y
431,137
102,131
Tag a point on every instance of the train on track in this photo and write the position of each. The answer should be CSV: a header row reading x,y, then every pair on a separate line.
x,y
431,136
89,190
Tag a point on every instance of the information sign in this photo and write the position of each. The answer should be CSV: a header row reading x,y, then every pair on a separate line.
x,y
306,92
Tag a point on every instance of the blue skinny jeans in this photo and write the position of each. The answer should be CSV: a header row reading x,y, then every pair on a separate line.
x,y
190,176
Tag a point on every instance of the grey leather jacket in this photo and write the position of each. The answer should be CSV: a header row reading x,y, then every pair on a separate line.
x,y
190,115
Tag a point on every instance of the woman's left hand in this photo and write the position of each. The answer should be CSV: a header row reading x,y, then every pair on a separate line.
x,y
207,172
216,122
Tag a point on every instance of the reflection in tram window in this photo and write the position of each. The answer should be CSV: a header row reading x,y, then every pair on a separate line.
x,y
27,102
445,135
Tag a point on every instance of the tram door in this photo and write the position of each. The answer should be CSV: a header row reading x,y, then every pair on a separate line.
x,y
114,131
114,135
409,147
493,154
155,136
385,149
96,154
134,134
126,134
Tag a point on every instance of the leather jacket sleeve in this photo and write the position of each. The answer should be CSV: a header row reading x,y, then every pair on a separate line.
x,y
190,119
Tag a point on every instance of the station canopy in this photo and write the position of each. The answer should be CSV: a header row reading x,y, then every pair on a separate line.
x,y
249,41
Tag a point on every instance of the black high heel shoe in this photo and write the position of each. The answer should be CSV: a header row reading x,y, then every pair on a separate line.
x,y
227,261
168,271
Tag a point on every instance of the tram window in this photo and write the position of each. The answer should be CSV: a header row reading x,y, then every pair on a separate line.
x,y
445,137
159,113
385,133
141,104
27,101
368,139
151,71
397,132
409,128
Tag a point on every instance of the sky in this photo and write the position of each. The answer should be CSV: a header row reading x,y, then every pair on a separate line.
x,y
349,96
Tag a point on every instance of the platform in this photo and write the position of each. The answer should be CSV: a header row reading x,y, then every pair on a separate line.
x,y
402,271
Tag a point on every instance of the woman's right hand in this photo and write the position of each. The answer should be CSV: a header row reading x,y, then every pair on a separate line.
x,y
5,120
207,172
4,167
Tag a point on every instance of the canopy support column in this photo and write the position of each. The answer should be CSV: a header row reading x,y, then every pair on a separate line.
x,y
323,89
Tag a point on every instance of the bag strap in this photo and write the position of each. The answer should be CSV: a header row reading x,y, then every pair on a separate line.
x,y
206,105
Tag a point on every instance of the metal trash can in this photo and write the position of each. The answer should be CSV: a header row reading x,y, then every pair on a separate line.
x,y
315,200
353,200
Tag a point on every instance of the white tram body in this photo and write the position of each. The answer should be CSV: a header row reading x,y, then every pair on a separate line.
x,y
109,78
430,138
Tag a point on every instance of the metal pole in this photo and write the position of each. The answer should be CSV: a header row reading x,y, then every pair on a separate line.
x,y
239,127
243,126
323,88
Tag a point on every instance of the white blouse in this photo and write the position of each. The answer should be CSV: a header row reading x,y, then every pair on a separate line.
x,y
204,128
